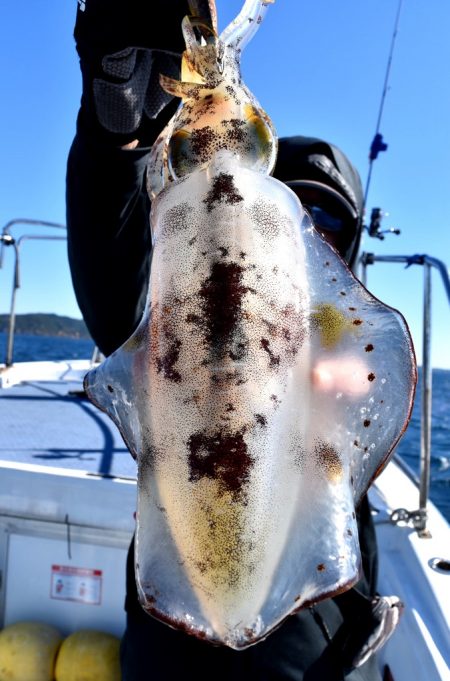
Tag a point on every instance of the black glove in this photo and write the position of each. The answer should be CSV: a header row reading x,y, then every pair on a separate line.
x,y
123,46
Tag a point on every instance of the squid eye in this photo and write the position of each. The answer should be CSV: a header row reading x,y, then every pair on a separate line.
x,y
180,154
261,147
260,139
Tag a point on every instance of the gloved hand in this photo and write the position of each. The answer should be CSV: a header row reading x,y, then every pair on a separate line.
x,y
123,46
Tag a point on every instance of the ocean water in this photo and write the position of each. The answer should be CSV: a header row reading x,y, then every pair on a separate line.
x,y
409,446
29,348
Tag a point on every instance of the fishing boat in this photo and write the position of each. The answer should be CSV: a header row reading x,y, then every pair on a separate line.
x,y
68,497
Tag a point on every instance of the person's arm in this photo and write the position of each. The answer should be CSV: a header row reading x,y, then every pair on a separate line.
x,y
122,48
109,240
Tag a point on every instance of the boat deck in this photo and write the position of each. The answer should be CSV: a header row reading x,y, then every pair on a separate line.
x,y
75,435
67,501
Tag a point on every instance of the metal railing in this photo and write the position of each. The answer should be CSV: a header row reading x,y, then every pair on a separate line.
x,y
6,239
427,262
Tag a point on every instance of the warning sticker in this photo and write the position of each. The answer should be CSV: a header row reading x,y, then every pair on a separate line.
x,y
76,584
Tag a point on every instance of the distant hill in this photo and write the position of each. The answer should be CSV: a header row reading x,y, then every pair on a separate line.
x,y
41,324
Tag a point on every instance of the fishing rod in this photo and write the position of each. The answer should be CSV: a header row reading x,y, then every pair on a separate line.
x,y
378,144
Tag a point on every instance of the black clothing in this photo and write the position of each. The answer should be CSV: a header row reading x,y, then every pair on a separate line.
x,y
109,241
308,157
108,234
123,47
324,172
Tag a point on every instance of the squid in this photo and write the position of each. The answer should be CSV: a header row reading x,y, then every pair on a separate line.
x,y
264,388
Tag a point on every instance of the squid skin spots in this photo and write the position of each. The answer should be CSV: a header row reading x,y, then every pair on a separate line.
x,y
276,401
329,461
221,296
201,141
239,352
222,456
266,218
274,360
176,219
236,131
223,191
165,364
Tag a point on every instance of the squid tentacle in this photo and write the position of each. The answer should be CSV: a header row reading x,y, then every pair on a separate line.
x,y
244,26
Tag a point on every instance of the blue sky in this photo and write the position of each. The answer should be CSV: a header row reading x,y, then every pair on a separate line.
x,y
316,67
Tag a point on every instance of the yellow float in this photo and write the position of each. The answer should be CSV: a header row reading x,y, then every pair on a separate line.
x,y
28,651
88,655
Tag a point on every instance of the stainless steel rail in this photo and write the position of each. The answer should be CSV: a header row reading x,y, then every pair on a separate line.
x,y
420,517
6,239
